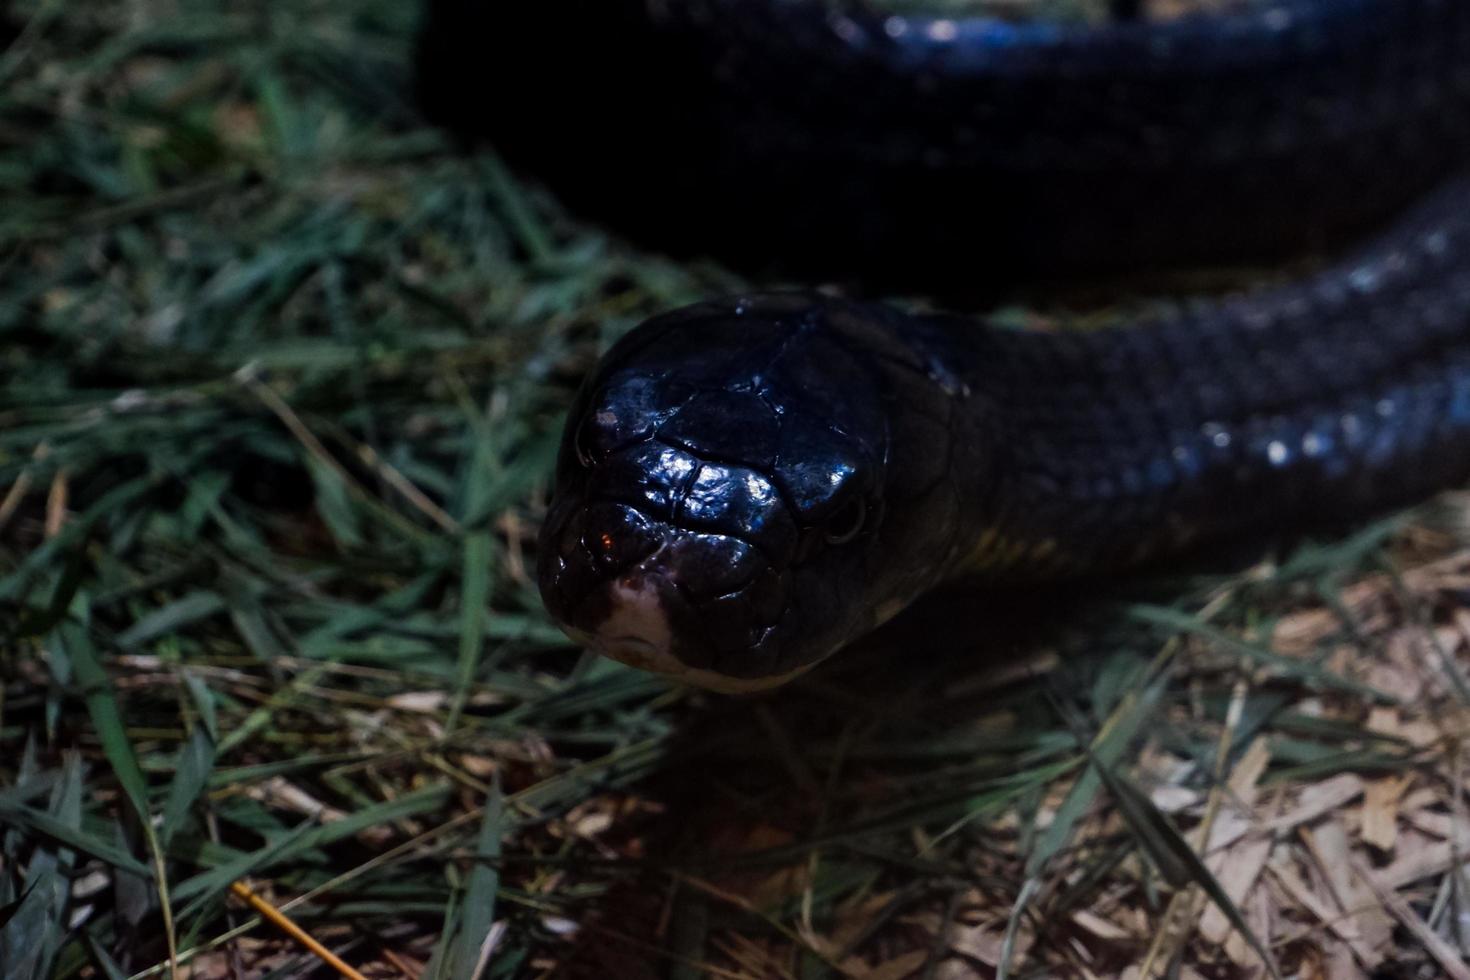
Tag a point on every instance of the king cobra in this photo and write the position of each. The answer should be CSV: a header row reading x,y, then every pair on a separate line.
x,y
748,484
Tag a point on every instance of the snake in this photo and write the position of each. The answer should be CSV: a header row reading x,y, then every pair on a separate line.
x,y
748,484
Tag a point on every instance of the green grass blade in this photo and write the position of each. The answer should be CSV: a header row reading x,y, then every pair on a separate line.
x,y
194,766
107,720
477,912
1307,672
1107,747
41,823
1174,858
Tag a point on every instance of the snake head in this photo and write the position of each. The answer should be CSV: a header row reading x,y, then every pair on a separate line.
x,y
720,495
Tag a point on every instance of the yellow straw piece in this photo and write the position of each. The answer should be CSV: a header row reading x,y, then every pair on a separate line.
x,y
291,929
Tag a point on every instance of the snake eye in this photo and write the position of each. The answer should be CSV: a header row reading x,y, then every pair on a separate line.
x,y
582,443
848,522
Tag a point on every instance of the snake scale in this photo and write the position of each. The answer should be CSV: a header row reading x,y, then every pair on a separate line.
x,y
748,484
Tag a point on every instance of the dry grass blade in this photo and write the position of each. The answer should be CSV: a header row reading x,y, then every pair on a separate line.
x,y
1448,958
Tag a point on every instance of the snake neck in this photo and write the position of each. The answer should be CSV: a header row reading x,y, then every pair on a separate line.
x,y
1345,392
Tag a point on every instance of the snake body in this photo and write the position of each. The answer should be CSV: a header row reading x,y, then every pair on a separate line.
x,y
748,484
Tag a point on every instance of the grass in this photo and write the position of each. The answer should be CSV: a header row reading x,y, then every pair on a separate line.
x,y
282,376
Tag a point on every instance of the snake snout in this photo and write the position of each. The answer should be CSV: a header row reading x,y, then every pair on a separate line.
x,y
698,606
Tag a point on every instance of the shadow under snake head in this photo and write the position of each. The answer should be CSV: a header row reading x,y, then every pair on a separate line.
x,y
724,501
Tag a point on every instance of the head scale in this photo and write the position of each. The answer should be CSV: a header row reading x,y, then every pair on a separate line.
x,y
721,495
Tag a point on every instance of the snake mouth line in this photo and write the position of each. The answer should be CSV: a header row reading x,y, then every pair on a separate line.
x,y
637,633
640,654
644,656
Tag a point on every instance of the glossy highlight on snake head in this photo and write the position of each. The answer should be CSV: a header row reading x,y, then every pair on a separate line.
x,y
748,484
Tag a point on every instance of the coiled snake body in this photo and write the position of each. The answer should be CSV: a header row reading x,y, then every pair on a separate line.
x,y
748,484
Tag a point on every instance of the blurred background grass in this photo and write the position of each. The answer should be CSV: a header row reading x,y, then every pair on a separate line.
x,y
282,379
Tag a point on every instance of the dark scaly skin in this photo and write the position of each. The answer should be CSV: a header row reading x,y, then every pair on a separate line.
x,y
778,133
705,446
747,485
